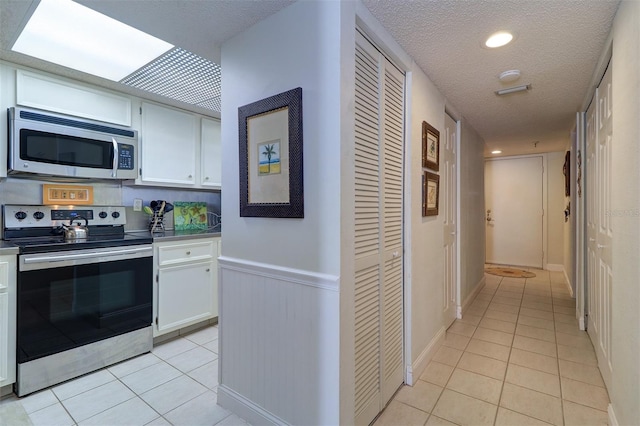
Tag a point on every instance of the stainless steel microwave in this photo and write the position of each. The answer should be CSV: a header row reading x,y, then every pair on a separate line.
x,y
57,145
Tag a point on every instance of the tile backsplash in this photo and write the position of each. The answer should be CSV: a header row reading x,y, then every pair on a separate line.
x,y
20,190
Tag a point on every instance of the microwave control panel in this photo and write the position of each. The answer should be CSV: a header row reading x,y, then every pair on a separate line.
x,y
125,157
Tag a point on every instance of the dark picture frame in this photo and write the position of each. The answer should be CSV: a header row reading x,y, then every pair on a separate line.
x,y
566,171
430,147
270,142
430,194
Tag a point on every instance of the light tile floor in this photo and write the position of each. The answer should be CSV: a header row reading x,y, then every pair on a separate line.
x,y
175,384
517,357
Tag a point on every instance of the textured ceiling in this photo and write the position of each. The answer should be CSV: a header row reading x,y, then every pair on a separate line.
x,y
557,46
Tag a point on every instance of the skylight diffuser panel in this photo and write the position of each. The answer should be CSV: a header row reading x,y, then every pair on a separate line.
x,y
74,36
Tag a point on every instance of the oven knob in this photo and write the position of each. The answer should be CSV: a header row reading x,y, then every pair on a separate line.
x,y
38,215
115,215
21,215
102,215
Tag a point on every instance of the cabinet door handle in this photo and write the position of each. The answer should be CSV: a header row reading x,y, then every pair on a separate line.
x,y
206,178
190,176
188,253
208,269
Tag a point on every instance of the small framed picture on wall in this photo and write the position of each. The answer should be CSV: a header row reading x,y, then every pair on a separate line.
x,y
430,147
430,194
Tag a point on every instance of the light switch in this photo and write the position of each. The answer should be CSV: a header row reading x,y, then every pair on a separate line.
x,y
137,205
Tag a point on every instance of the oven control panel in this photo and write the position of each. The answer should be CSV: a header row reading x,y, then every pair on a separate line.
x,y
27,216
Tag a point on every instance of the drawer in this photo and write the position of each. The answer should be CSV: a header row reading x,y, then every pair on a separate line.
x,y
178,253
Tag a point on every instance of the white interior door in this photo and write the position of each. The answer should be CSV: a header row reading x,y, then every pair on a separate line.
x,y
514,211
379,124
449,191
599,226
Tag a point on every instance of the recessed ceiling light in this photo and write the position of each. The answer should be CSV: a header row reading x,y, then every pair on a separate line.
x,y
497,151
74,36
499,39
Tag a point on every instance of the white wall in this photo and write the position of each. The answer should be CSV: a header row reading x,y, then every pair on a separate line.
x,y
311,44
472,211
555,209
297,47
279,320
426,249
625,202
569,229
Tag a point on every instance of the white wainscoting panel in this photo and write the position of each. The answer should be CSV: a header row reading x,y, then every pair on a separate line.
x,y
279,343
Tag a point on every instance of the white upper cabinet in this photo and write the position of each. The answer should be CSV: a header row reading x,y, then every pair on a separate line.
x,y
63,96
177,148
211,158
168,146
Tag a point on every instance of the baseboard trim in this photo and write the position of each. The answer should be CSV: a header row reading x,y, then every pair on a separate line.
x,y
554,267
6,390
568,283
582,324
415,370
613,421
471,297
241,406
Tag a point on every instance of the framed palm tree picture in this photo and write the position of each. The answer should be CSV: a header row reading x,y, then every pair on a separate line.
x,y
270,132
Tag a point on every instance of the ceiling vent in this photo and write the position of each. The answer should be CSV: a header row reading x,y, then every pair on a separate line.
x,y
183,76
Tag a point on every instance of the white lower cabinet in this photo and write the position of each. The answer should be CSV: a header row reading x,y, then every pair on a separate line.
x,y
186,288
7,320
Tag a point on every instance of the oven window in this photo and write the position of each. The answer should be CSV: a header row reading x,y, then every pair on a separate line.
x,y
62,149
63,308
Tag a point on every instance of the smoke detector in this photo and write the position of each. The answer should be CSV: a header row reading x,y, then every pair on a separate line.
x,y
509,76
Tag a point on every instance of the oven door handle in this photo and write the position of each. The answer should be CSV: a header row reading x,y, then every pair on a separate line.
x,y
67,257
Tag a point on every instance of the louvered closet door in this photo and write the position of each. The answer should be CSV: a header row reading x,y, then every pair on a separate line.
x,y
379,126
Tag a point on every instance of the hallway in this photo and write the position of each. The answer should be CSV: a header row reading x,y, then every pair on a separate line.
x,y
516,358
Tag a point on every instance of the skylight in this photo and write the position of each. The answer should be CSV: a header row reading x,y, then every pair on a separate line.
x,y
74,36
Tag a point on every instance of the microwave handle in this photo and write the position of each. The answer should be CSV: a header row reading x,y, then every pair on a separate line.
x,y
114,171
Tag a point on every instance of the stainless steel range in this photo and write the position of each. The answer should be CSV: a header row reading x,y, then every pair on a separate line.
x,y
83,303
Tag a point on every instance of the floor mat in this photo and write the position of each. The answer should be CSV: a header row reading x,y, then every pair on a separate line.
x,y
510,272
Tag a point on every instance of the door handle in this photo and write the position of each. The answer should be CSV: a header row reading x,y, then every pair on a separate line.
x,y
116,157
600,246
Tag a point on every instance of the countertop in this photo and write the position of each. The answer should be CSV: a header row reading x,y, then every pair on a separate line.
x,y
8,248
171,235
